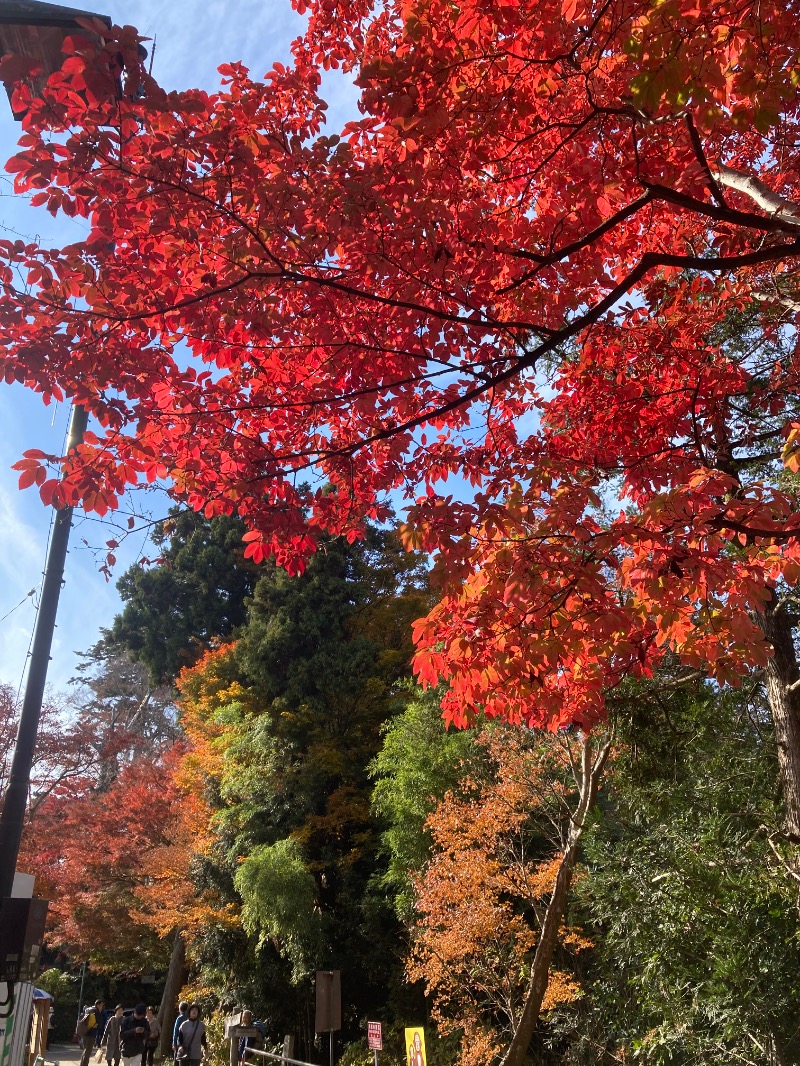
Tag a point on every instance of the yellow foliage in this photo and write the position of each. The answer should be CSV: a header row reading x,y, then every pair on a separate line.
x,y
481,896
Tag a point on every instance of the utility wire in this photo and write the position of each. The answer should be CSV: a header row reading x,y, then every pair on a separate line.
x,y
53,515
27,596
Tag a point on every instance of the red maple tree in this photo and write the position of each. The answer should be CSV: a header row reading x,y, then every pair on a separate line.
x,y
556,257
66,751
88,849
101,797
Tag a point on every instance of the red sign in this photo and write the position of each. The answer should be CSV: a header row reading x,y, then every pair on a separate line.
x,y
374,1040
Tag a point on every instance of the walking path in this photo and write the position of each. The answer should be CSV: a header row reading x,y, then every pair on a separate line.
x,y
63,1053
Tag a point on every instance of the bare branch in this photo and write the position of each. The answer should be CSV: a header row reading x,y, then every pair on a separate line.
x,y
767,199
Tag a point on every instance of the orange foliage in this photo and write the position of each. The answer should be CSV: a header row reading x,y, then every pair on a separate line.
x,y
492,869
170,900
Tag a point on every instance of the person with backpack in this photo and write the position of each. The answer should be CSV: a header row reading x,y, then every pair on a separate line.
x,y
245,1042
133,1035
86,1030
191,1039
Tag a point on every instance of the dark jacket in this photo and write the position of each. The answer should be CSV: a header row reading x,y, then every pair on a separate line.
x,y
92,1020
131,1042
102,1021
246,1042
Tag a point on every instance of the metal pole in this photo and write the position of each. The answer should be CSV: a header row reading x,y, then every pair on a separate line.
x,y
80,995
330,1009
16,798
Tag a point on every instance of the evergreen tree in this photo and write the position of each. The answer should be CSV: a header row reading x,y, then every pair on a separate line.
x,y
282,727
420,760
195,594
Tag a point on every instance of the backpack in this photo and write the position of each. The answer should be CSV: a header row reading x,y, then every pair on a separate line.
x,y
82,1028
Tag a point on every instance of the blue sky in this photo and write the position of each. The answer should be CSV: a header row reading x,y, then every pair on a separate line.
x,y
192,40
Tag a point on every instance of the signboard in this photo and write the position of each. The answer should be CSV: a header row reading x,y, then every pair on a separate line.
x,y
234,1030
329,1001
22,924
374,1038
415,1047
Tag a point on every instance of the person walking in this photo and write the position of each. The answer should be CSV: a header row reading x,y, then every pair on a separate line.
x,y
110,1039
191,1039
132,1036
87,1030
153,1037
183,1014
245,1042
102,1022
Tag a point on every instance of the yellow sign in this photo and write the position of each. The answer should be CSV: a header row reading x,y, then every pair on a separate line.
x,y
415,1047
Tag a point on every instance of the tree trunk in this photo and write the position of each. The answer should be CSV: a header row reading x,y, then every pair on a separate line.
x,y
782,675
176,979
591,771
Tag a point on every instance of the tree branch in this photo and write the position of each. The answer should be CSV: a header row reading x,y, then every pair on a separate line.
x,y
767,199
697,144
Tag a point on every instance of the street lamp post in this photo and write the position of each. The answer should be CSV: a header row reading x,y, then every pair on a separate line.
x,y
37,30
16,797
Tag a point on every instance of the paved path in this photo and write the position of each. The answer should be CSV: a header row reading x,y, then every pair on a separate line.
x,y
63,1053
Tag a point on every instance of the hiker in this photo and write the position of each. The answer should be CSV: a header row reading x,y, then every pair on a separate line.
x,y
132,1035
153,1037
183,1014
86,1030
102,1022
191,1039
245,1042
110,1039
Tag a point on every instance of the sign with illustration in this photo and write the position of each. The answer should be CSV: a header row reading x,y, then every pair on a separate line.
x,y
415,1047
